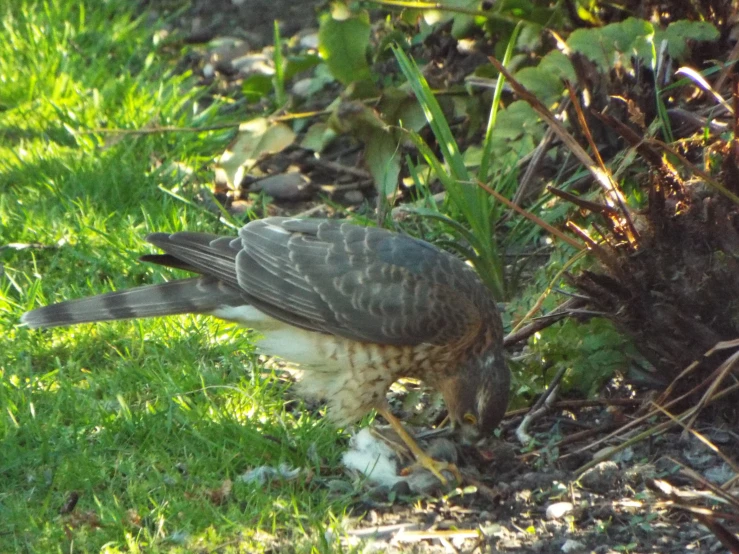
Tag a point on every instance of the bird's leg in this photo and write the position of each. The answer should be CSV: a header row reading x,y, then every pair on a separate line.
x,y
422,459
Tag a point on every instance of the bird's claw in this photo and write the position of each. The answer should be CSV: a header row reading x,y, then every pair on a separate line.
x,y
435,467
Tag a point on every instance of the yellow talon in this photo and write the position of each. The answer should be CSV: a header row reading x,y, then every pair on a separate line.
x,y
422,459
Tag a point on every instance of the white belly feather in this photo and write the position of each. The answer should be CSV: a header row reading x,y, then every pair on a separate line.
x,y
337,368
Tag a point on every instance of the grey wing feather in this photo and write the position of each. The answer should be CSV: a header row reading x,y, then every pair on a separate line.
x,y
362,283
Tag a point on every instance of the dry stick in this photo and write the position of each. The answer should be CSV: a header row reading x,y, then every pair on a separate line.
x,y
703,384
560,312
614,194
536,159
593,246
540,407
638,420
517,334
704,515
722,534
415,536
696,510
593,207
723,371
684,373
719,346
703,439
718,491
543,296
310,211
155,130
649,432
572,437
221,127
602,176
572,404
723,345
531,217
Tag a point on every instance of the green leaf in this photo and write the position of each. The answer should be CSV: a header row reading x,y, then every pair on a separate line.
x,y
300,63
381,146
317,137
557,63
343,40
615,43
256,86
382,157
680,32
619,42
517,131
546,86
401,107
256,138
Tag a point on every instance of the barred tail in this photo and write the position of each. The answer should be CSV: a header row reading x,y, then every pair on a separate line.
x,y
196,295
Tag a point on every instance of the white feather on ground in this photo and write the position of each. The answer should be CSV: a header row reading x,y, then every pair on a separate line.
x,y
372,458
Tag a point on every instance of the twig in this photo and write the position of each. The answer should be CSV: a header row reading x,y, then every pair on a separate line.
x,y
541,406
657,429
705,516
543,296
525,182
337,167
613,193
531,217
573,404
702,439
310,211
569,439
601,176
560,312
722,372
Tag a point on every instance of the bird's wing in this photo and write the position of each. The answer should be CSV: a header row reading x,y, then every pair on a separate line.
x,y
362,283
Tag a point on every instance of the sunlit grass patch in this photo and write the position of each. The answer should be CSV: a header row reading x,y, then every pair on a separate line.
x,y
143,422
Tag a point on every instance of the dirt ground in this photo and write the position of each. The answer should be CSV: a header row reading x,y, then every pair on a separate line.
x,y
538,500
203,20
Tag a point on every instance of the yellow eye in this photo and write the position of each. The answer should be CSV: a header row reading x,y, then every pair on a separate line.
x,y
469,418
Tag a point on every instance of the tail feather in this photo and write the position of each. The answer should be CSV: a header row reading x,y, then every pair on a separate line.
x,y
196,295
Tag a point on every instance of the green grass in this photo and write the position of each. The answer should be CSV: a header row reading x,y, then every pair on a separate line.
x,y
145,419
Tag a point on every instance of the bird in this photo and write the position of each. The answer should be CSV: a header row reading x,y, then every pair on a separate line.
x,y
355,307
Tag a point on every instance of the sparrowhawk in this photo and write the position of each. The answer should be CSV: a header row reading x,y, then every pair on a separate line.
x,y
356,307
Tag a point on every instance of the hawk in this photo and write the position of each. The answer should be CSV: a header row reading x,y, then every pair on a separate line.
x,y
355,307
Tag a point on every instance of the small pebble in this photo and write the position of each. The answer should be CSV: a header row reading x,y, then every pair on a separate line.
x,y
601,478
303,88
559,510
309,41
284,186
353,197
573,546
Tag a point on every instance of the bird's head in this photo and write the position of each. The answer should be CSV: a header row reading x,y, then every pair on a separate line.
x,y
477,395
